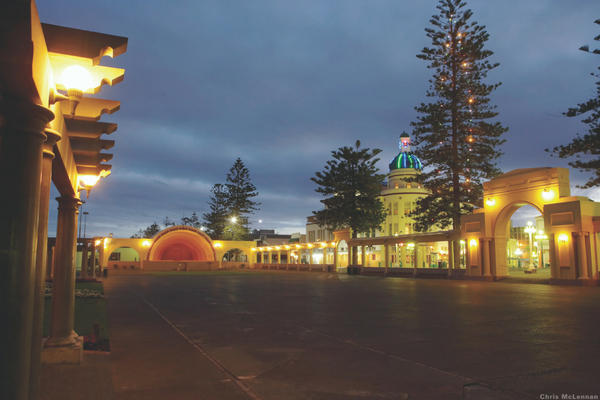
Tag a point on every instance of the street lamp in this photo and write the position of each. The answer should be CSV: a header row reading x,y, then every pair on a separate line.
x,y
531,230
85,213
541,237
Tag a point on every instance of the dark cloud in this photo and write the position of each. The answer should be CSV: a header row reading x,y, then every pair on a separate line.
x,y
281,84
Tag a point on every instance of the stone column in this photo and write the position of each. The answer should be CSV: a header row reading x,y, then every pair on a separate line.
x,y
310,258
417,259
402,260
486,256
363,258
21,145
553,255
62,336
41,264
582,256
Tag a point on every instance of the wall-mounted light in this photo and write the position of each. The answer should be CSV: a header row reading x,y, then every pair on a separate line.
x,y
97,243
146,243
218,245
563,238
548,194
473,243
490,201
86,182
77,80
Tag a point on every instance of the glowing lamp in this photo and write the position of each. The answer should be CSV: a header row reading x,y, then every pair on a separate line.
x,y
233,219
145,243
97,243
490,202
218,245
77,80
547,194
86,182
563,238
323,244
473,243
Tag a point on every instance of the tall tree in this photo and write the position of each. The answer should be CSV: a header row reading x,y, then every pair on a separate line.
x,y
167,222
454,139
240,192
351,185
589,144
215,221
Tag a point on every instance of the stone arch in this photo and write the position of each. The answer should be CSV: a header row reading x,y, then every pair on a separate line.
x,y
128,254
181,243
235,255
574,219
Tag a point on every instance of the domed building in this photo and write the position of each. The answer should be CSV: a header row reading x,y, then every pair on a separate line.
x,y
399,195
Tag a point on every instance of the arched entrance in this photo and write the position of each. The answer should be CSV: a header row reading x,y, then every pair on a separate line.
x,y
181,243
568,221
124,253
235,255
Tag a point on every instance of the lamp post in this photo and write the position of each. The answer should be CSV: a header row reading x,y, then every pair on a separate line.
x,y
541,237
518,253
531,230
85,213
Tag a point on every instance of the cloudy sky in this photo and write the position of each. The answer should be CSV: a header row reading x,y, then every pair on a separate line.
x,y
282,83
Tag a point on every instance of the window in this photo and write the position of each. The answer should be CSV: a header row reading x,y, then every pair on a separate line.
x,y
395,229
395,208
408,185
396,185
407,207
407,229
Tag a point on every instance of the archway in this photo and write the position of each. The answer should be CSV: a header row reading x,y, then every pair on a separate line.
x,y
124,253
181,243
521,226
342,254
486,232
235,255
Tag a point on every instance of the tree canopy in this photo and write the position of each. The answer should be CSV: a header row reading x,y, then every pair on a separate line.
x,y
587,145
231,205
351,185
455,141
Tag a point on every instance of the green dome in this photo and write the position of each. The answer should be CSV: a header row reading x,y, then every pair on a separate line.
x,y
406,160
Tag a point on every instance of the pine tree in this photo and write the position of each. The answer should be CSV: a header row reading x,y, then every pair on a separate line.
x,y
149,232
589,144
216,220
351,185
455,143
192,221
240,205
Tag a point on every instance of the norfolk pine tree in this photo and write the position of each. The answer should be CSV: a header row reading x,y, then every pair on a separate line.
x,y
589,144
352,185
457,145
240,205
215,221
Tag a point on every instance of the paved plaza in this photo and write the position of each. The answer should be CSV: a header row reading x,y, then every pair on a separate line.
x,y
301,335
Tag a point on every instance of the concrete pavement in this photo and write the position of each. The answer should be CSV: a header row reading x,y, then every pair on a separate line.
x,y
298,335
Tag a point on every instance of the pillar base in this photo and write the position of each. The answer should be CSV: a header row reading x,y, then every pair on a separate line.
x,y
64,354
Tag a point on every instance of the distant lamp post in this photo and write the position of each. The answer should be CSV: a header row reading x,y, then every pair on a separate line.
x,y
77,80
233,219
541,237
531,230
85,214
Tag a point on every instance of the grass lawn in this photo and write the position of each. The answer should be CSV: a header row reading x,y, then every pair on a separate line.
x,y
87,313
